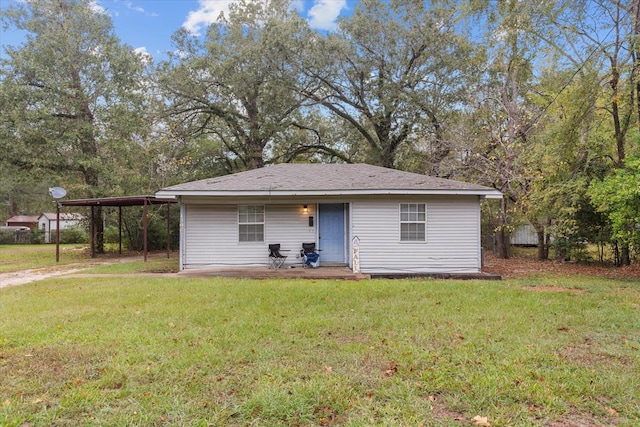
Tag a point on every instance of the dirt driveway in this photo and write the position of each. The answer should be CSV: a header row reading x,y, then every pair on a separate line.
x,y
15,278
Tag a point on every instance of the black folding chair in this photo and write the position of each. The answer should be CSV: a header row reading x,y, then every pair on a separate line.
x,y
276,259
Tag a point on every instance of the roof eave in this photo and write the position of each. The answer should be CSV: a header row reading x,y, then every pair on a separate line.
x,y
489,194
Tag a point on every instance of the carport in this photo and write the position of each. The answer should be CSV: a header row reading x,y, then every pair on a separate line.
x,y
118,202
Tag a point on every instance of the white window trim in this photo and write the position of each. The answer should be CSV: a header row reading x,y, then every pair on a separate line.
x,y
264,215
400,222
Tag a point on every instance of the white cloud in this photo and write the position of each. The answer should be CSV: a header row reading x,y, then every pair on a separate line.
x,y
96,8
208,13
324,13
130,5
297,5
144,54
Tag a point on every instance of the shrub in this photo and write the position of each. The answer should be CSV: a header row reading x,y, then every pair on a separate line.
x,y
73,235
36,237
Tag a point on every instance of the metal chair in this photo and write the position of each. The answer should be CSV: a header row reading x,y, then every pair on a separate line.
x,y
276,259
310,256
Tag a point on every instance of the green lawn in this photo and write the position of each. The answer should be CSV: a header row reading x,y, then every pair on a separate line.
x,y
232,352
22,257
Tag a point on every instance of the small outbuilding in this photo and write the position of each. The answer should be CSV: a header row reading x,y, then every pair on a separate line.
x,y
372,219
47,222
30,221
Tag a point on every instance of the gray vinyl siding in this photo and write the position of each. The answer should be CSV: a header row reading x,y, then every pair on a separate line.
x,y
211,235
452,245
452,236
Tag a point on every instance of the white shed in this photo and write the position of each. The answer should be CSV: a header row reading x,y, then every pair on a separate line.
x,y
405,223
47,223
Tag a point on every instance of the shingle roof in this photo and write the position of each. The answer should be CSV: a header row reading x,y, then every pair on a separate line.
x,y
23,218
332,178
64,216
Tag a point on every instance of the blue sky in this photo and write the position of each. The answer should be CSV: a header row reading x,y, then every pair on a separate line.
x,y
147,25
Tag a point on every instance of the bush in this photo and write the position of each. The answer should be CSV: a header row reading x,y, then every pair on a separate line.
x,y
22,237
73,235
36,237
111,234
7,237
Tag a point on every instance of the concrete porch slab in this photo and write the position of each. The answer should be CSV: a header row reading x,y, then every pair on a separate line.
x,y
340,273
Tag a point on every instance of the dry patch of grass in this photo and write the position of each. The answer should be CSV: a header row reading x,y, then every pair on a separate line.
x,y
23,257
520,267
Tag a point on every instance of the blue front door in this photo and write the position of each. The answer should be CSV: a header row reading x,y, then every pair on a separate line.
x,y
331,232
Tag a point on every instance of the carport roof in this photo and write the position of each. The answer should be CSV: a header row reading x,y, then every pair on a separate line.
x,y
117,201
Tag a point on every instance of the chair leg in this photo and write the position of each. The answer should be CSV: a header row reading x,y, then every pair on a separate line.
x,y
276,262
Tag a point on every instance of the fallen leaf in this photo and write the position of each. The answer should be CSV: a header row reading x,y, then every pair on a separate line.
x,y
6,403
612,412
328,369
393,368
481,421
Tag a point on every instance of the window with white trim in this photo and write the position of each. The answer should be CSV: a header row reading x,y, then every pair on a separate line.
x,y
251,223
413,222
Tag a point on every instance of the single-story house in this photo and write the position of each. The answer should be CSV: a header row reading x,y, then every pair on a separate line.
x,y
388,221
48,223
30,221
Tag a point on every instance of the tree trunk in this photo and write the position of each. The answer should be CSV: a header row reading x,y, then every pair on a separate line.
x,y
387,160
625,258
502,243
254,154
543,253
636,66
91,179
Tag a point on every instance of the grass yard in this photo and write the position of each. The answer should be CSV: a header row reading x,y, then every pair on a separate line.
x,y
547,351
22,257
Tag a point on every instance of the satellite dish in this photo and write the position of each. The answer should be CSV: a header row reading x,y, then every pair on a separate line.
x,y
57,192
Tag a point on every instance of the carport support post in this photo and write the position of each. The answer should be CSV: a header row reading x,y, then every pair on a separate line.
x,y
92,229
168,230
119,230
57,232
144,228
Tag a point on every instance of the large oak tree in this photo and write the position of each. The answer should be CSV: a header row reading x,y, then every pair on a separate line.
x,y
236,87
71,96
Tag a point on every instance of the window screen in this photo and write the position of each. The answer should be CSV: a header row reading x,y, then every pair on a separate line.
x,y
251,223
413,222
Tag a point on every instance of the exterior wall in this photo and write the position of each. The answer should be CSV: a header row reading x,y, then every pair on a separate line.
x,y
49,226
30,225
525,236
211,235
452,236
